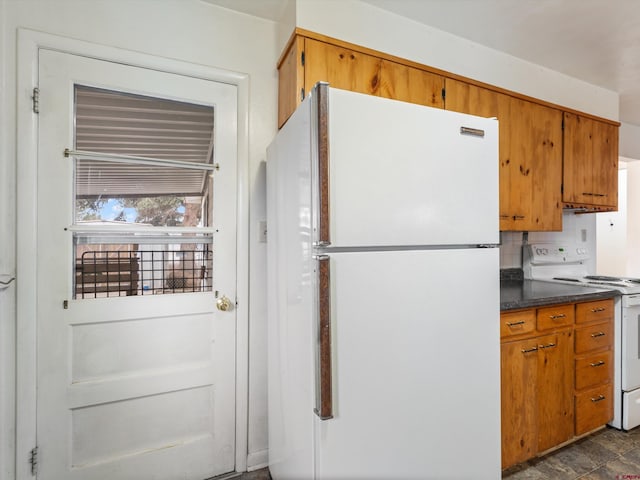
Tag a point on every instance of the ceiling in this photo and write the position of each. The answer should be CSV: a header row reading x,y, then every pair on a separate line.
x,y
597,41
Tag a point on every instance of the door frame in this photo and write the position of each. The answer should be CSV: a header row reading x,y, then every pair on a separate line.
x,y
29,44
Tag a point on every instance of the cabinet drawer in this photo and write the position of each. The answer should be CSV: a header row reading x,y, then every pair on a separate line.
x,y
554,317
595,369
594,337
594,408
593,311
517,323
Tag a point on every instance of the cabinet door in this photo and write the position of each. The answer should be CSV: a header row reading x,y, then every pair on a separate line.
x,y
290,80
341,67
605,164
554,384
409,84
536,145
590,162
518,367
530,155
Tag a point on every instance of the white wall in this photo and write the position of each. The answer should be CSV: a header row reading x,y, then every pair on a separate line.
x,y
633,219
188,30
630,141
612,232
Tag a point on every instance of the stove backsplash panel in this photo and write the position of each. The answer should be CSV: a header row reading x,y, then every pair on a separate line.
x,y
577,229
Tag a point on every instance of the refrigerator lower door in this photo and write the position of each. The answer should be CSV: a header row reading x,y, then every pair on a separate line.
x,y
416,366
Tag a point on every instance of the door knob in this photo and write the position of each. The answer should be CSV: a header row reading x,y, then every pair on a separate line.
x,y
223,304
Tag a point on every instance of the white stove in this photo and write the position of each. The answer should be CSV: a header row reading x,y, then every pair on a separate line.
x,y
568,264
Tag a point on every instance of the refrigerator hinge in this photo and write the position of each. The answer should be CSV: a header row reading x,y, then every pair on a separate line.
x,y
322,243
35,98
33,460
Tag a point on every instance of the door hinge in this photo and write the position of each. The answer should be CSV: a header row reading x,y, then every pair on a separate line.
x,y
444,94
36,100
302,58
33,460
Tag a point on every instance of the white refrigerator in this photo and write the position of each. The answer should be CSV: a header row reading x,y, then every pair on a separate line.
x,y
383,292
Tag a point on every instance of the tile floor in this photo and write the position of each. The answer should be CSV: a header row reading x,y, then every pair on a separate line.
x,y
608,454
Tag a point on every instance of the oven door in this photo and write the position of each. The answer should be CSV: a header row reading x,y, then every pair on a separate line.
x,y
630,342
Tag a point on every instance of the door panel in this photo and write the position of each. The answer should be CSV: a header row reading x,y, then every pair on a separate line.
x,y
134,386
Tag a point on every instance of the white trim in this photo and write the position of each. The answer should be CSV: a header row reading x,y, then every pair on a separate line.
x,y
29,43
258,460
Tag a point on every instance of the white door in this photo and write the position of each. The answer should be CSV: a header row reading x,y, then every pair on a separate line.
x,y
140,385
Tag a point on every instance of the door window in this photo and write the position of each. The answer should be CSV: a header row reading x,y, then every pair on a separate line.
x,y
143,189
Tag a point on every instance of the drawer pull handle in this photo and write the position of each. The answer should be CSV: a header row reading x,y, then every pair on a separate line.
x,y
599,309
529,350
556,317
599,398
598,364
598,334
549,345
513,324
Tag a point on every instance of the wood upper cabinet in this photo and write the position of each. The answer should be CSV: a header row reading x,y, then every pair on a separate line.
x,y
409,84
543,168
590,163
308,61
341,67
290,80
530,154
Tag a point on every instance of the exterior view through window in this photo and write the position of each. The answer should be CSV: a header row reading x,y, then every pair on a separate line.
x,y
143,195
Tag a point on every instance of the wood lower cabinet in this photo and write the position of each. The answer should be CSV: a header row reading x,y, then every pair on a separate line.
x,y
537,395
593,365
530,154
556,371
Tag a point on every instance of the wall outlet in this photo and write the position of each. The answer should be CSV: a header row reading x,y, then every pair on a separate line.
x,y
262,231
583,234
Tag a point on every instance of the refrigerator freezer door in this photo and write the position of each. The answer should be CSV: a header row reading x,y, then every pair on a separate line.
x,y
416,366
404,174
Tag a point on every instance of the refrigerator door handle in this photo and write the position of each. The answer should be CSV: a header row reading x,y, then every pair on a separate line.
x,y
324,398
321,117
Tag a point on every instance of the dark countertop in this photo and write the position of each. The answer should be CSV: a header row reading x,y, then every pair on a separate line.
x,y
534,293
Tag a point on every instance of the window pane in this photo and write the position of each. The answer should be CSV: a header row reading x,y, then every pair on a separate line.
x,y
113,192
